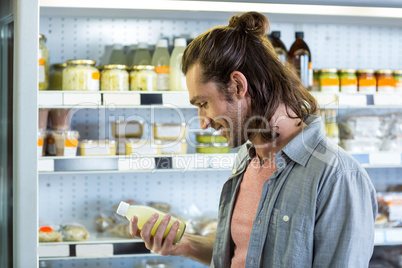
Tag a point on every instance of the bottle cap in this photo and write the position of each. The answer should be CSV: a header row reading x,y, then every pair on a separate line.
x,y
276,34
299,34
180,42
143,45
133,47
123,208
162,43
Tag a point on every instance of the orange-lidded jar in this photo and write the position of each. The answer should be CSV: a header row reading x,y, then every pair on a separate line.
x,y
398,80
348,80
329,80
366,81
385,81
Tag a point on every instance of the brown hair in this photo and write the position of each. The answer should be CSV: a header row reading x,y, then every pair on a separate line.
x,y
242,46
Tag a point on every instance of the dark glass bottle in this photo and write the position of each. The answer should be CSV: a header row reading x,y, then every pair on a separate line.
x,y
280,49
300,60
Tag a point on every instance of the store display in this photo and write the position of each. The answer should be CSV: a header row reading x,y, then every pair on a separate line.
x,y
97,147
208,137
43,60
74,232
81,75
398,80
169,131
348,81
366,81
279,46
174,147
144,213
48,234
161,61
114,77
127,129
329,80
117,56
385,81
177,78
213,148
143,78
66,142
300,60
56,76
142,55
143,147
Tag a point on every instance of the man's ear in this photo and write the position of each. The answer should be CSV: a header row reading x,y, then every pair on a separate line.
x,y
239,84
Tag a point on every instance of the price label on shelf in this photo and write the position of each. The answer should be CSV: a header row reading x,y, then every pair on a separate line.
x,y
132,98
385,158
387,99
352,100
50,98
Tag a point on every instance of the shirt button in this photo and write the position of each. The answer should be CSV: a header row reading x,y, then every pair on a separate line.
x,y
234,171
285,218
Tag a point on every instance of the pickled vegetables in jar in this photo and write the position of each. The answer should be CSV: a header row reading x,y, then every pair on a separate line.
x,y
81,75
114,77
43,61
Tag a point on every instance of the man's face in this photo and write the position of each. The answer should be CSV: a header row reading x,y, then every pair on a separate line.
x,y
215,110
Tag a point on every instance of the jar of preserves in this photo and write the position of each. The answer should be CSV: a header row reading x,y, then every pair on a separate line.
x,y
398,80
81,75
143,77
114,77
316,80
43,64
329,80
385,81
366,81
348,80
56,76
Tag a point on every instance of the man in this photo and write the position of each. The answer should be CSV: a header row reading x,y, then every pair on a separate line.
x,y
294,198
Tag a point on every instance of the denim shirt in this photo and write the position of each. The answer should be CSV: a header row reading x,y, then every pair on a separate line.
x,y
317,210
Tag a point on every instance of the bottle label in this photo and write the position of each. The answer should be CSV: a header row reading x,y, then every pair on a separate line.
x,y
330,85
367,90
348,82
41,70
349,89
305,72
398,85
386,85
310,74
40,147
162,69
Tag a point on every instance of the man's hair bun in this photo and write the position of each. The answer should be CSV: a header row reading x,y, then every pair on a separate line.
x,y
251,23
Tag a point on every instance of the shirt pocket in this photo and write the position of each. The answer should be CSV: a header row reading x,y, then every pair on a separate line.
x,y
287,239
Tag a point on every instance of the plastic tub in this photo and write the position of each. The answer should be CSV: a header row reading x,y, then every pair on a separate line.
x,y
213,148
169,131
127,129
143,147
66,142
208,137
174,147
97,147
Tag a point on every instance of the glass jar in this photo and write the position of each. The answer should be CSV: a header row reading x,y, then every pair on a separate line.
x,y
43,64
56,76
398,80
316,80
366,81
385,81
143,77
114,77
329,80
81,75
348,80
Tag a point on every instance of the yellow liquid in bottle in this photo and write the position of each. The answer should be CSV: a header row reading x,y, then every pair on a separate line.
x,y
143,213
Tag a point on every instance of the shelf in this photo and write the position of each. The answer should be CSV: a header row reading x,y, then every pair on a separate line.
x,y
387,236
124,164
222,10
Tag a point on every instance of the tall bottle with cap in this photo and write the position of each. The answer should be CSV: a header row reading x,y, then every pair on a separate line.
x,y
300,60
177,78
279,46
143,213
161,61
142,55
117,56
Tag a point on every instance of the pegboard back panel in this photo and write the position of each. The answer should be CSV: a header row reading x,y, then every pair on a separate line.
x,y
332,45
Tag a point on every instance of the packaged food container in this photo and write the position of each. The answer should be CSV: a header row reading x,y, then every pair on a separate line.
x,y
143,78
81,75
174,147
316,80
121,146
348,80
329,80
56,76
42,120
41,143
398,80
366,81
169,131
385,81
213,148
66,142
114,77
208,137
43,64
127,129
59,119
143,147
97,147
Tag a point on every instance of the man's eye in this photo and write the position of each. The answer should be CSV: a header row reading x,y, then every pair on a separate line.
x,y
203,105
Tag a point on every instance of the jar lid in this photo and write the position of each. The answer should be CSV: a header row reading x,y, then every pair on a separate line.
x,y
347,71
384,71
59,65
365,71
81,62
170,124
397,72
329,70
115,66
143,67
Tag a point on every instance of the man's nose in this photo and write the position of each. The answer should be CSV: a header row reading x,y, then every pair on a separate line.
x,y
205,122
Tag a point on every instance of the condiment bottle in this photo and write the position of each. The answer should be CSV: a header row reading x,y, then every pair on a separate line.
x,y
385,81
43,61
348,80
329,80
161,61
300,60
366,81
177,78
144,213
279,46
142,55
117,56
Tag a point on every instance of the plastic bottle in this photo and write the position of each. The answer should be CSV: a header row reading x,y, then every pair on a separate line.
x,y
177,78
161,61
300,60
117,56
142,55
131,54
144,213
279,47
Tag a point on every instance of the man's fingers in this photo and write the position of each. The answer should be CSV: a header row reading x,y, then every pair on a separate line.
x,y
147,228
158,236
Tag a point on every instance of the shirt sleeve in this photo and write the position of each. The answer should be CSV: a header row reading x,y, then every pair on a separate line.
x,y
345,216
